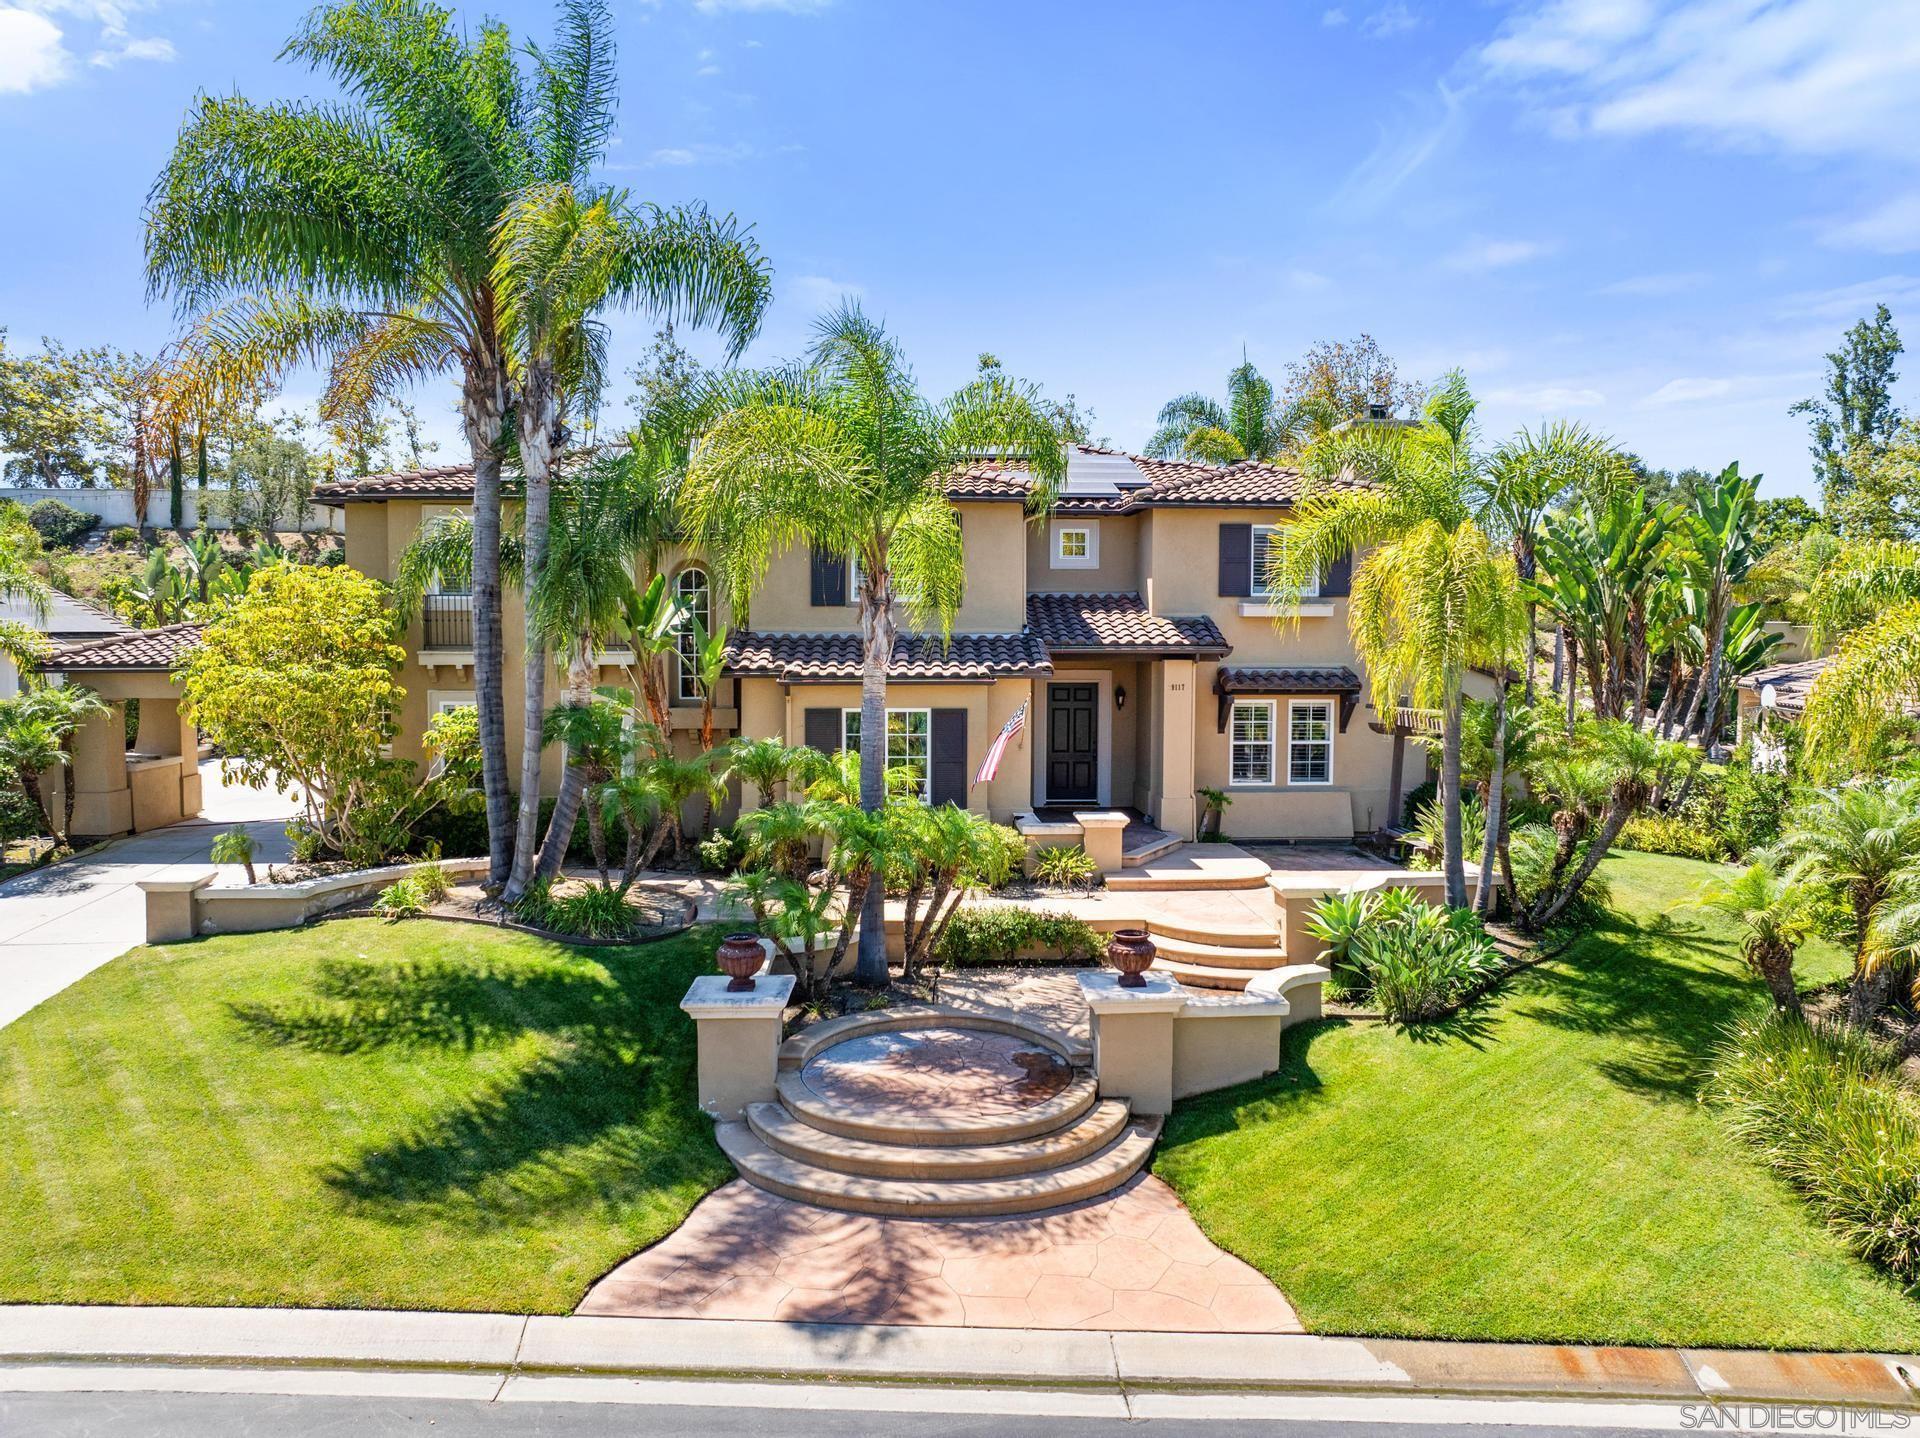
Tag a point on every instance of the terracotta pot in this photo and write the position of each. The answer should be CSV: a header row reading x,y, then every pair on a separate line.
x,y
739,958
1131,951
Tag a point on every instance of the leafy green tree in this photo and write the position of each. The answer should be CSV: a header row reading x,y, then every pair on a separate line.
x,y
1884,501
1346,379
1252,424
767,764
1722,545
54,418
1856,416
29,748
1784,519
846,455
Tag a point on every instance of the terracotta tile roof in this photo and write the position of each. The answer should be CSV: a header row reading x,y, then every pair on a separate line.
x,y
824,658
142,649
1330,679
1119,622
1792,682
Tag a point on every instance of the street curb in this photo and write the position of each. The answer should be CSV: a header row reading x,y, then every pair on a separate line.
x,y
513,1345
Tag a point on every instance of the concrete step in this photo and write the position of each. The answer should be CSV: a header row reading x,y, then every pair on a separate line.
x,y
1147,853
786,1135
1209,976
1084,1178
1219,956
1223,933
1194,867
936,1130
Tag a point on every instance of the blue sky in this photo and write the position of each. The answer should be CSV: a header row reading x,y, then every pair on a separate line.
x,y
1652,217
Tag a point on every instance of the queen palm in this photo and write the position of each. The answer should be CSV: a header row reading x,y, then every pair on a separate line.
x,y
846,455
1773,921
363,236
1253,424
1432,593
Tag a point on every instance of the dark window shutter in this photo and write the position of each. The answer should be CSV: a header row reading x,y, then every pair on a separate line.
x,y
823,730
950,757
1339,578
1236,559
829,579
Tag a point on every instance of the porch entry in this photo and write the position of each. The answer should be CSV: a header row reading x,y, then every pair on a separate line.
x,y
1073,745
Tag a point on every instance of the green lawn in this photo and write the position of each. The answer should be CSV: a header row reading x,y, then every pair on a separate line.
x,y
417,1115
1541,1169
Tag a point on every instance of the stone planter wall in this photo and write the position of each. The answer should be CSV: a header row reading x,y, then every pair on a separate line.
x,y
254,908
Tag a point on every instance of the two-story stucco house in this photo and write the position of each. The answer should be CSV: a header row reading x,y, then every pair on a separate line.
x,y
1130,620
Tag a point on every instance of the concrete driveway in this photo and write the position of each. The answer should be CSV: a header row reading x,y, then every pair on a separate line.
x,y
62,922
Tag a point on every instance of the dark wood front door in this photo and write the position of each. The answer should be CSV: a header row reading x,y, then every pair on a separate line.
x,y
1072,745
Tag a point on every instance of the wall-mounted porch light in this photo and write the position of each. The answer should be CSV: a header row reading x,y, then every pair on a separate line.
x,y
1119,696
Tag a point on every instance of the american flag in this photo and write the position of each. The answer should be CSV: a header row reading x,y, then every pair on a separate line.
x,y
990,765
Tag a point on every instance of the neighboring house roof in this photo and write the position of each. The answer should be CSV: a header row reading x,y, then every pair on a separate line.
x,y
157,650
67,618
1330,679
917,658
1791,682
1091,623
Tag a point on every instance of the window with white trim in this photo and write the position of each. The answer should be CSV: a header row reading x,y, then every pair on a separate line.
x,y
909,742
1253,742
1310,741
1269,541
690,587
1075,545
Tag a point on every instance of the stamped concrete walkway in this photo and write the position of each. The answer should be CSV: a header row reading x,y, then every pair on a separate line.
x,y
1133,1259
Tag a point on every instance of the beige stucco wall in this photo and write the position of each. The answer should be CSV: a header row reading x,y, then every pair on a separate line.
x,y
1119,553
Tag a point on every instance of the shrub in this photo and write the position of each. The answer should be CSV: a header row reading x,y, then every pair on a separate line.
x,y
589,913
433,883
1671,834
123,535
402,899
1823,1108
999,934
1003,856
720,852
1420,967
60,525
1338,921
1418,797
1066,868
1427,827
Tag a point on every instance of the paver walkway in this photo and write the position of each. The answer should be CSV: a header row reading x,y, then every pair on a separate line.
x,y
1133,1259
60,923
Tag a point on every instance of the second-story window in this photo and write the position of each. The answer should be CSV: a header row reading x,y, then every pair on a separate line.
x,y
1269,543
1075,546
694,593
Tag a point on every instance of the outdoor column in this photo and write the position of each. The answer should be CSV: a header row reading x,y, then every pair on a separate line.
x,y
1101,836
170,906
103,802
1178,811
1133,1038
738,1036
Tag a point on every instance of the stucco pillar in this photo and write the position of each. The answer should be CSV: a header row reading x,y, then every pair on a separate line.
x,y
1133,1038
1102,832
103,800
170,906
1179,811
738,1040
159,727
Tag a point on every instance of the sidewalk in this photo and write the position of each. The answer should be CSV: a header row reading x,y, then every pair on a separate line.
x,y
503,1346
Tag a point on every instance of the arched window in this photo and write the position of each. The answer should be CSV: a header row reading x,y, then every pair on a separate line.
x,y
696,596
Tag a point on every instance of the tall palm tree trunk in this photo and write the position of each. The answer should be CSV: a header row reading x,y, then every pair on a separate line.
x,y
1573,682
573,782
1496,802
876,632
1618,812
1706,694
539,412
1451,858
483,412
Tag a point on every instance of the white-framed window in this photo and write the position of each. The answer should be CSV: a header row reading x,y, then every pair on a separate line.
x,y
1253,741
447,703
1076,544
1310,741
1269,540
909,741
691,588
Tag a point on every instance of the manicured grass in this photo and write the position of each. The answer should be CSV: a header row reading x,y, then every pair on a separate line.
x,y
413,1115
1540,1168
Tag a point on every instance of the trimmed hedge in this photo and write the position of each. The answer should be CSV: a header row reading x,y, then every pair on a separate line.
x,y
1005,934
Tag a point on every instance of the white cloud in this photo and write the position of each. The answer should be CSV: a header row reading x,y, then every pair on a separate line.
x,y
1656,284
32,56
1388,21
1806,76
1333,18
696,154
818,292
152,47
1543,398
1893,229
1425,128
1483,255
1851,302
1688,391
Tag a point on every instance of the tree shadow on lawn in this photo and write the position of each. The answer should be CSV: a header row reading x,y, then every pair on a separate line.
x,y
1259,1101
607,1115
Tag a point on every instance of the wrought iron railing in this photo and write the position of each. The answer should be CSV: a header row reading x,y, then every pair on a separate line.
x,y
446,622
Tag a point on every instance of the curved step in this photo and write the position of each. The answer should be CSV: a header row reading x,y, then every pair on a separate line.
x,y
1224,933
1208,976
1219,956
1195,867
820,1037
935,1130
1147,853
786,1135
1088,1177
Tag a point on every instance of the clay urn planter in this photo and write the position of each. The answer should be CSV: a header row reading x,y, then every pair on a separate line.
x,y
739,958
1131,952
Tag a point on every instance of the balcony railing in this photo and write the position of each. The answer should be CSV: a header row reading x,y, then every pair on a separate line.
x,y
446,622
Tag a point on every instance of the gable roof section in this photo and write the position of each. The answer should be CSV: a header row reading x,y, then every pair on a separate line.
x,y
1096,623
1326,679
917,658
141,651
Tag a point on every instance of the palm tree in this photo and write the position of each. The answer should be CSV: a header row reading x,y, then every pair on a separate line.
x,y
63,708
707,657
779,835
764,763
846,455
363,235
30,747
1773,921
1722,546
1872,684
596,734
562,252
1432,594
1252,424
1862,842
